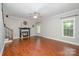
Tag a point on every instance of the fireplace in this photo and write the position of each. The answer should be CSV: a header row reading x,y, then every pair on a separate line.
x,y
24,32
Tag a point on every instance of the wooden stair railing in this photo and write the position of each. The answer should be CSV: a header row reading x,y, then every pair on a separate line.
x,y
8,33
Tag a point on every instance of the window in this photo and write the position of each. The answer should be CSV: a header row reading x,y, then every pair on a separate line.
x,y
69,27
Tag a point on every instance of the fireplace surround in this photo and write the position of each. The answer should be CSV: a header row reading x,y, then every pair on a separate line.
x,y
24,32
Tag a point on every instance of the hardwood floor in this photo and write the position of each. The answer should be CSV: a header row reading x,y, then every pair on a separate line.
x,y
39,46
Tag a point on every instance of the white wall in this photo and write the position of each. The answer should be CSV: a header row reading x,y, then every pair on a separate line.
x,y
16,22
1,32
52,27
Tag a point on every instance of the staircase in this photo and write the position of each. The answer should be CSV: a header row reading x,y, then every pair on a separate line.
x,y
8,33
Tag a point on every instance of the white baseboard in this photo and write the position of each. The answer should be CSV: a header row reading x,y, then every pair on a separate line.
x,y
6,41
15,37
73,43
2,49
19,37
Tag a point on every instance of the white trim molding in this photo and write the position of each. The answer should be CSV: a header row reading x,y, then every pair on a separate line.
x,y
2,49
73,43
69,18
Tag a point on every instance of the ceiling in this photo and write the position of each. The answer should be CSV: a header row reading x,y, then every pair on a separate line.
x,y
45,9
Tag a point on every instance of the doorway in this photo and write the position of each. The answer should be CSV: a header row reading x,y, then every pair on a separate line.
x,y
38,28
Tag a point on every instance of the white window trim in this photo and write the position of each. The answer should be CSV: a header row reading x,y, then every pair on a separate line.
x,y
69,18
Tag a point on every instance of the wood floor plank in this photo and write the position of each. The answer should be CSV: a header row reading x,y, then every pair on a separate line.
x,y
39,46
